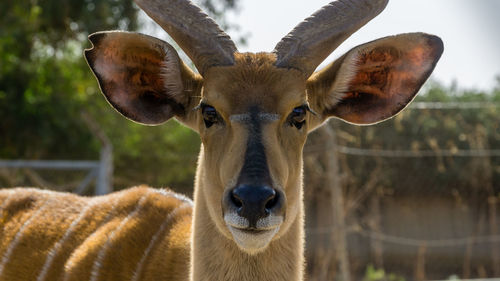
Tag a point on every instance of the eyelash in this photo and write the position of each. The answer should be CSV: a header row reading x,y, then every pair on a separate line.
x,y
210,115
297,117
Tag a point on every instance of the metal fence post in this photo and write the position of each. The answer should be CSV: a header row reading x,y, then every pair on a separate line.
x,y
105,173
333,178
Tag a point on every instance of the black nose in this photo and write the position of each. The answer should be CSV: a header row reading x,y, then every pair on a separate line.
x,y
254,202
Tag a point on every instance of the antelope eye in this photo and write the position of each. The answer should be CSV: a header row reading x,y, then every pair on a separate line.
x,y
210,115
298,116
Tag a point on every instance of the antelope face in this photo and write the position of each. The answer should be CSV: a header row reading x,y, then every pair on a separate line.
x,y
253,111
253,132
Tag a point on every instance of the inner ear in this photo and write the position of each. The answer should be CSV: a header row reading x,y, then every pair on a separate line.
x,y
379,86
141,77
377,80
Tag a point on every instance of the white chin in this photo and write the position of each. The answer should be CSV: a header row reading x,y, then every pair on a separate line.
x,y
253,242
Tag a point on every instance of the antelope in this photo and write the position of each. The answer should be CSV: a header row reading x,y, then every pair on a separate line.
x,y
252,111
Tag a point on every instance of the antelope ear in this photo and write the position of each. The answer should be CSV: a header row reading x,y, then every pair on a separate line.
x,y
374,81
142,77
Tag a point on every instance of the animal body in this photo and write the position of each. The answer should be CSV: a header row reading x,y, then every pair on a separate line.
x,y
253,113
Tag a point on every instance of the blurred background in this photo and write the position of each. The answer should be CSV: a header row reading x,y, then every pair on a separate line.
x,y
413,198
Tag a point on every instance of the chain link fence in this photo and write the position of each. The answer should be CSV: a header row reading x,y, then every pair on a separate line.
x,y
420,196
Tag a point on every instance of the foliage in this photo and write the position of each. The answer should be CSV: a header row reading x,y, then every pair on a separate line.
x,y
45,84
392,194
40,76
373,274
431,130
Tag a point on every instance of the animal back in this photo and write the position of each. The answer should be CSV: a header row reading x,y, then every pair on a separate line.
x,y
136,234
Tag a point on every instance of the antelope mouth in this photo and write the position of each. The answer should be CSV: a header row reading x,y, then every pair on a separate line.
x,y
250,239
251,230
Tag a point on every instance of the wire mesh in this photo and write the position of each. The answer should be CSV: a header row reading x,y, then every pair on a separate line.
x,y
421,196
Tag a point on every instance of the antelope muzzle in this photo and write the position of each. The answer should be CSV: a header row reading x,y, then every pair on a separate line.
x,y
254,209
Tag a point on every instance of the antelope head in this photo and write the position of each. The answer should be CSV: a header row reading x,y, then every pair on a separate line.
x,y
254,111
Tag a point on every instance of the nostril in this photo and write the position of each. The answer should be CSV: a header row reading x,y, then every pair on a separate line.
x,y
254,202
238,203
272,201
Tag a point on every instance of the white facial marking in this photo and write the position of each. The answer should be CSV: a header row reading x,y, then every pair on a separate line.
x,y
255,240
253,243
239,117
270,222
268,117
234,220
245,117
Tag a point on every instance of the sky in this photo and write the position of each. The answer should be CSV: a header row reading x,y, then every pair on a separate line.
x,y
470,31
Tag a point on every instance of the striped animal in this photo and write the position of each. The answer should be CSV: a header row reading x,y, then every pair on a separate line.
x,y
137,234
253,113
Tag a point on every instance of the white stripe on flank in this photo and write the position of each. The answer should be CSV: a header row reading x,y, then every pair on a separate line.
x,y
111,212
5,202
169,193
156,236
102,253
57,246
19,234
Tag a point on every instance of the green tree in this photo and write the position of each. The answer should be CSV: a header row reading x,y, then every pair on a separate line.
x,y
45,84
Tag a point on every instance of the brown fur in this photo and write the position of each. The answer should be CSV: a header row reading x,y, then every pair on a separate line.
x,y
37,232
263,86
142,234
